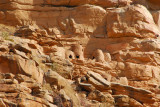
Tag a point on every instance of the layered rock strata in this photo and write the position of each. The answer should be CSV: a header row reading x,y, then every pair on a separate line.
x,y
79,53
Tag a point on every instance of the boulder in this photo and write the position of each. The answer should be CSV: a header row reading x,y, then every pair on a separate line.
x,y
120,22
98,55
12,88
20,65
107,56
55,79
25,99
99,78
140,56
8,81
135,103
124,100
5,103
105,98
98,81
88,87
138,71
138,94
123,80
149,45
121,100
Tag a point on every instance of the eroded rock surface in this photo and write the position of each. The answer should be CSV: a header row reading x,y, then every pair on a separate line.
x,y
79,53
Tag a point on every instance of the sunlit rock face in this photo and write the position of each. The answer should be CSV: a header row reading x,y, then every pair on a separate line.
x,y
79,53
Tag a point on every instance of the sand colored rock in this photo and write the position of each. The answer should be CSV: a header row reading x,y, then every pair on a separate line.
x,y
64,24
69,55
102,3
121,100
138,72
79,53
98,55
107,57
97,95
156,17
126,25
21,95
54,78
20,65
153,4
139,94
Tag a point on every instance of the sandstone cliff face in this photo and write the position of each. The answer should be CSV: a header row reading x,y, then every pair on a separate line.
x,y
79,53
